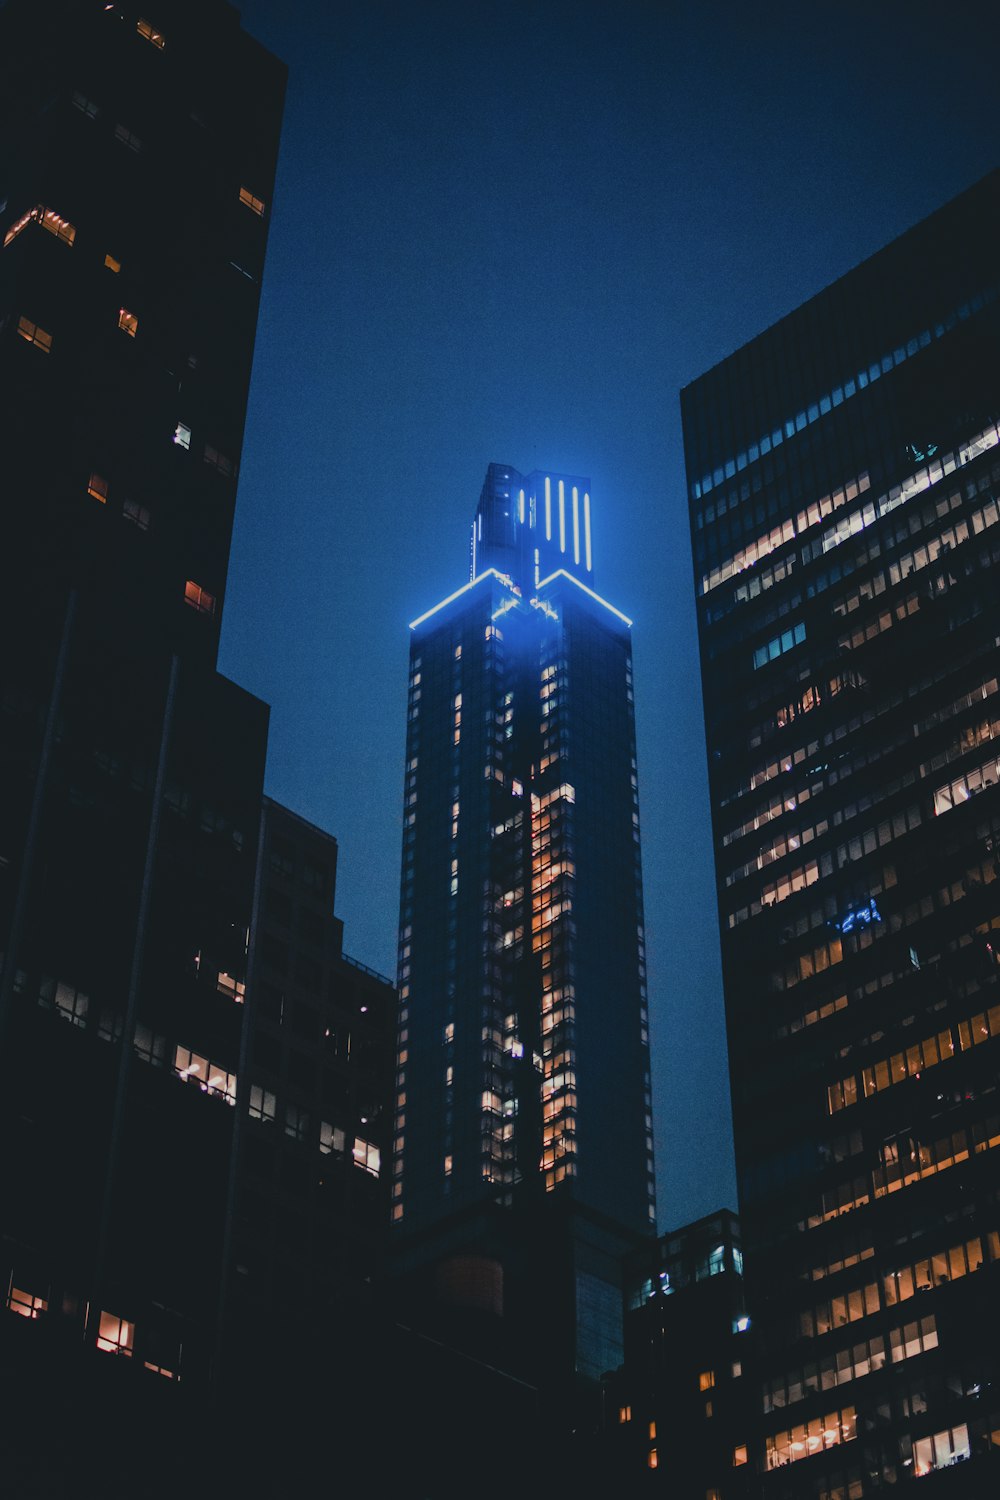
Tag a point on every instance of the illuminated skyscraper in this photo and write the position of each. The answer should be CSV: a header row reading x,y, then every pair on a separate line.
x,y
523,1059
843,478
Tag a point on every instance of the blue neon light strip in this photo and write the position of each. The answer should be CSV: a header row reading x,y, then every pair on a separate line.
x,y
586,530
576,526
548,509
562,517
561,573
457,595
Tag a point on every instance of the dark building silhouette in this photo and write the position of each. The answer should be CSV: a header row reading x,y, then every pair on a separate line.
x,y
678,1412
523,1093
843,471
195,1081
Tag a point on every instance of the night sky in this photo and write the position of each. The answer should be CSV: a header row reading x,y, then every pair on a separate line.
x,y
513,231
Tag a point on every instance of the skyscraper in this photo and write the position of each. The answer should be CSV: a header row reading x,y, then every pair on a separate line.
x,y
843,475
134,227
523,1062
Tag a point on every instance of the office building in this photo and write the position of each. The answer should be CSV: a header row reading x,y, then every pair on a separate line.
x,y
523,1078
194,1079
678,1411
843,471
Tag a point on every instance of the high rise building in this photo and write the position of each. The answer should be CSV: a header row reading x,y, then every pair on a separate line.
x,y
843,473
139,166
523,1054
194,1078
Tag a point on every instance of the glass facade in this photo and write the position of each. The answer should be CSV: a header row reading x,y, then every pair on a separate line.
x,y
843,473
523,1054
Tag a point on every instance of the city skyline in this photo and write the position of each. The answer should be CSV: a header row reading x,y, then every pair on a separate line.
x,y
395,356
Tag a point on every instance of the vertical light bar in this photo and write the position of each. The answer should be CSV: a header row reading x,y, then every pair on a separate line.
x,y
548,509
586,530
576,526
473,572
536,567
520,507
562,517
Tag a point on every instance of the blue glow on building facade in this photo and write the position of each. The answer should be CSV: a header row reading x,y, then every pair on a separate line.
x,y
524,1054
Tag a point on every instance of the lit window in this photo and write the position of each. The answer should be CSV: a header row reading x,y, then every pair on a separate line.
x,y
367,1155
137,514
739,1455
942,1450
706,1380
98,487
709,1409
25,1304
48,219
234,988
447,1166
127,322
115,1335
150,33
624,1413
182,435
331,1138
199,598
256,204
209,1077
127,138
263,1104
112,264
652,1460
71,1004
18,225
34,334
652,1429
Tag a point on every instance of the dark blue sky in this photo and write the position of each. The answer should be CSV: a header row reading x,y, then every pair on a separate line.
x,y
513,231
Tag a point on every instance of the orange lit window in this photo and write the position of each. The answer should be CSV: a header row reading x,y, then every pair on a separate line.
x,y
98,487
127,322
48,219
624,1413
34,334
18,225
652,1460
25,1304
115,1335
199,598
706,1380
61,228
150,33
652,1429
112,264
739,1455
235,988
256,204
367,1155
